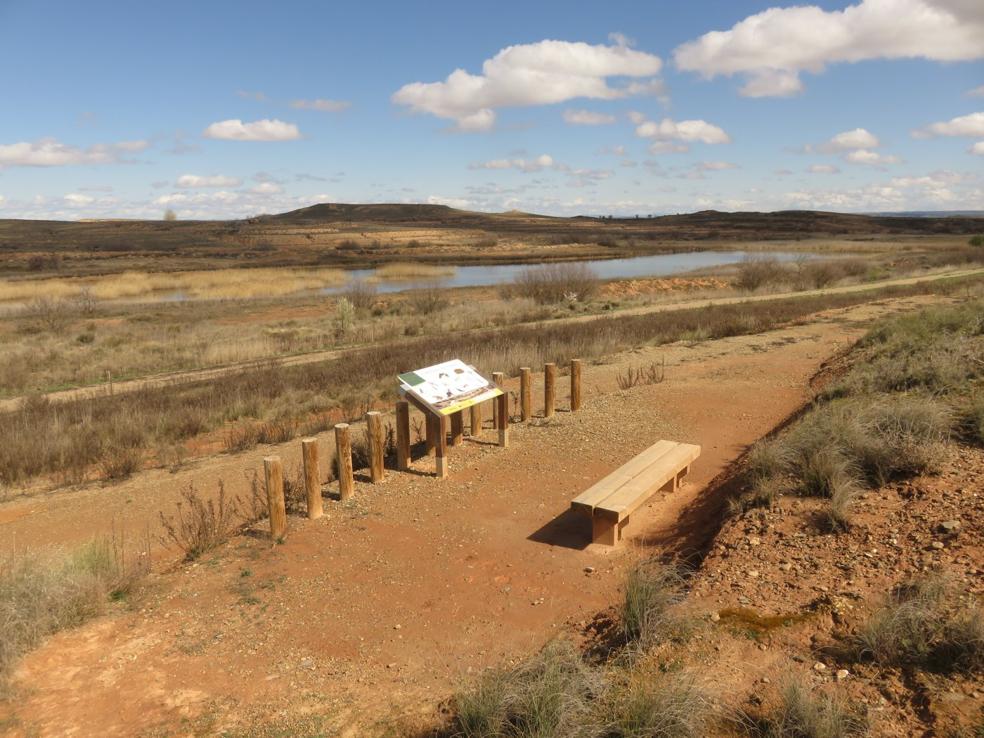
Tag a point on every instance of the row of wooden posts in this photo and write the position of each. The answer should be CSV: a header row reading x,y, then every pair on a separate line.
x,y
436,442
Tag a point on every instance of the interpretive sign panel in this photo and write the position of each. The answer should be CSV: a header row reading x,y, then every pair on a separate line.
x,y
449,387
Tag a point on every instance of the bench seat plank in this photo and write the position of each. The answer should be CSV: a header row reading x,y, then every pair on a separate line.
x,y
633,493
601,490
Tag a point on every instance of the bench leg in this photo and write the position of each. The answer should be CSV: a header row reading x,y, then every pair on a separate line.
x,y
604,531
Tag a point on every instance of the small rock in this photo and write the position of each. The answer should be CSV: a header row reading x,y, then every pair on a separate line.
x,y
715,617
589,570
819,666
754,541
949,527
842,674
753,574
786,566
397,626
938,545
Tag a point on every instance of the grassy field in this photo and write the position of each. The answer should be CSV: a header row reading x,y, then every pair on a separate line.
x,y
112,437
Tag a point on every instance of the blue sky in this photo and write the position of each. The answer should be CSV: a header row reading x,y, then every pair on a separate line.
x,y
222,109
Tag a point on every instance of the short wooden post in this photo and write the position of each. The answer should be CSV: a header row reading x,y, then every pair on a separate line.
x,y
502,419
402,435
476,419
441,448
525,393
343,451
312,477
374,424
497,379
549,389
431,430
273,469
575,385
457,428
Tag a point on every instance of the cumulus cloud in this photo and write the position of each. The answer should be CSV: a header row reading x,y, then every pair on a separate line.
x,y
49,152
871,158
189,181
822,169
976,92
544,161
772,48
260,130
670,136
977,148
858,138
321,104
971,125
587,118
540,73
76,199
716,166
266,188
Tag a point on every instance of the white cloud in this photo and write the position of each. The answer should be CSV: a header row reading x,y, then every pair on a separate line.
x,y
822,169
75,199
587,118
49,152
977,148
540,73
976,92
260,130
544,161
715,166
452,202
971,125
325,106
188,181
636,117
771,48
871,158
266,188
858,138
675,136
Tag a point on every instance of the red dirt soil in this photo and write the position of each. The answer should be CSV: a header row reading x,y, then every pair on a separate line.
x,y
389,602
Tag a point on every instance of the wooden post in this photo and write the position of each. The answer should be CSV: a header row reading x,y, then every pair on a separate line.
x,y
431,430
441,448
476,420
402,435
575,385
549,389
374,424
343,450
457,428
273,469
525,393
502,419
312,477
497,379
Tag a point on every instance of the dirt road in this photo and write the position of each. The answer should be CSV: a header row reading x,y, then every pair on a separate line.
x,y
199,375
394,598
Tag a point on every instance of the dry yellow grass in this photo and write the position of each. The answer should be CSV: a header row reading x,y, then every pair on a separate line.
x,y
410,272
217,284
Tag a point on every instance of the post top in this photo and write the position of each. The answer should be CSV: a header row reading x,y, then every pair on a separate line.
x,y
341,425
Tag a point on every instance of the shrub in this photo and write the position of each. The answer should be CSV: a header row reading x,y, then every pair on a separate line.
x,y
241,438
553,283
41,593
121,462
651,589
547,695
666,706
976,241
755,272
652,374
344,317
921,626
970,418
837,514
200,525
799,713
360,293
428,300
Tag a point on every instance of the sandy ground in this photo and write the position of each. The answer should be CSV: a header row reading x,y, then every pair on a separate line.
x,y
393,598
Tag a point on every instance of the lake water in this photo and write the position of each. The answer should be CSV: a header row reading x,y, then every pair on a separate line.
x,y
656,265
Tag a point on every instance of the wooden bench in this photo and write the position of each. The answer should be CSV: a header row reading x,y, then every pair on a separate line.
x,y
610,502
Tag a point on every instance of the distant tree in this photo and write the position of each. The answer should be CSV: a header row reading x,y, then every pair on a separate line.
x,y
170,215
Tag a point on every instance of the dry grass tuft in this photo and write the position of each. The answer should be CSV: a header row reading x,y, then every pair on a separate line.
x,y
924,625
800,713
652,587
201,524
41,593
398,272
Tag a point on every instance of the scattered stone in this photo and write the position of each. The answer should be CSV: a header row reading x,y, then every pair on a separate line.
x,y
842,674
950,527
589,570
938,545
819,667
397,626
786,566
715,617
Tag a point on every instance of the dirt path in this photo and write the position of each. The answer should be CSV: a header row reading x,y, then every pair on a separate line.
x,y
199,375
390,601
